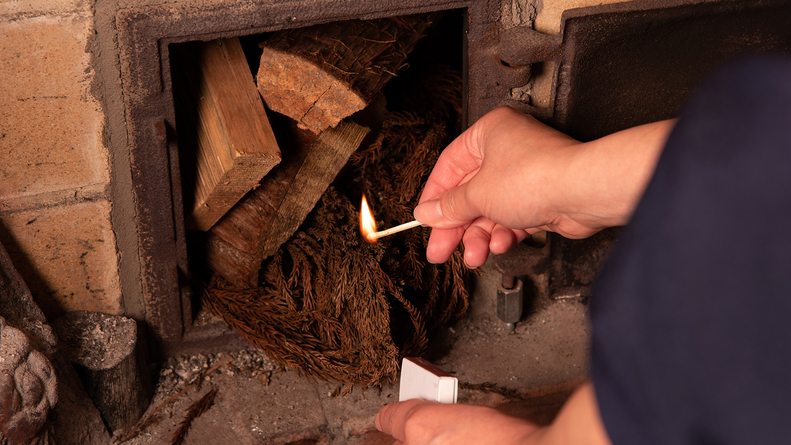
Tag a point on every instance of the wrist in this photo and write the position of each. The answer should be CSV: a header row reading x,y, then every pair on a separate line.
x,y
578,422
607,176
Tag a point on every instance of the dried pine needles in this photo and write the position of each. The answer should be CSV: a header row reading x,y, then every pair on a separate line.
x,y
334,307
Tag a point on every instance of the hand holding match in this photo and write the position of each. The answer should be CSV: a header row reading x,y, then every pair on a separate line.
x,y
392,230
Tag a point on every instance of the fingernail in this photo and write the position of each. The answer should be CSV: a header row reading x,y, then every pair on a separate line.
x,y
468,264
428,212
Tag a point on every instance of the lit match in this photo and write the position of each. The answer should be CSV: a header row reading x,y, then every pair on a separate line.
x,y
392,230
368,224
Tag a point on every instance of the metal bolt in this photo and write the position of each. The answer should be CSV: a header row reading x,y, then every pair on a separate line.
x,y
509,302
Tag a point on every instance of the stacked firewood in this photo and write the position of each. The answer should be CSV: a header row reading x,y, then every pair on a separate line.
x,y
292,274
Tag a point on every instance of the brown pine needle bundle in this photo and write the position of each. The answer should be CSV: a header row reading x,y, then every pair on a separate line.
x,y
332,306
193,412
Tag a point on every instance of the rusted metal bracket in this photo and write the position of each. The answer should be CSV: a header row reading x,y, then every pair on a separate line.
x,y
522,46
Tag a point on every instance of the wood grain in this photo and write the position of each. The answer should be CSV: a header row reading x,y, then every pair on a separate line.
x,y
225,139
269,215
322,74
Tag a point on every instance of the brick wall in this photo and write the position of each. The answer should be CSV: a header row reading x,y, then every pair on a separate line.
x,y
54,175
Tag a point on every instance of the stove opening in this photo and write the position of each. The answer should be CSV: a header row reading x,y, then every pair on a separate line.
x,y
279,136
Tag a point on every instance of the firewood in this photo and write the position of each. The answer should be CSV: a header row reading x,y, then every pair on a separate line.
x,y
334,307
108,358
321,74
227,144
269,215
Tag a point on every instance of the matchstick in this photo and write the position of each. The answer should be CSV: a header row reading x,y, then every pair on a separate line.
x,y
393,230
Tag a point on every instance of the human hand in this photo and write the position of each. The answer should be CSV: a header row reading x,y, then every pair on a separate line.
x,y
509,175
419,422
491,187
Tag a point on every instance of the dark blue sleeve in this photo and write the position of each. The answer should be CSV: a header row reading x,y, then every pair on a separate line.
x,y
692,314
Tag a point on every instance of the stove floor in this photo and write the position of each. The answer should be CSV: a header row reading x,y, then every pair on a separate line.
x,y
529,373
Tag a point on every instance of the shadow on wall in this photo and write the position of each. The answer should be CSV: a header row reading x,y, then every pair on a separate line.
x,y
32,276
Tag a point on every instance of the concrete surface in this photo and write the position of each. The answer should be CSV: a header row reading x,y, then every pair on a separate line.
x,y
533,368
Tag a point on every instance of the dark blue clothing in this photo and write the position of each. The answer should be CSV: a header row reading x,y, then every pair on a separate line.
x,y
692,314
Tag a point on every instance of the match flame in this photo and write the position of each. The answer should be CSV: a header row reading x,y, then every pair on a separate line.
x,y
367,221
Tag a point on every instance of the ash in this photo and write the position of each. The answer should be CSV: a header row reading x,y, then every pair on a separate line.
x,y
184,370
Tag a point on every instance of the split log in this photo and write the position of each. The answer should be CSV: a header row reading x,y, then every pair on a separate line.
x,y
322,74
269,215
225,139
106,354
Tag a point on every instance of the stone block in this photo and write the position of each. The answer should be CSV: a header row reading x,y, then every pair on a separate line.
x,y
50,124
67,256
549,12
15,8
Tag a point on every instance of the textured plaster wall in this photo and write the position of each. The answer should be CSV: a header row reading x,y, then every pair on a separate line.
x,y
54,170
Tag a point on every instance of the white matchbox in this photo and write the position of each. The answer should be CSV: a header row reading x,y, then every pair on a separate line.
x,y
423,380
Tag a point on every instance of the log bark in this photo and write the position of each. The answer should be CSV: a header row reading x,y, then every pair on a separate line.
x,y
225,139
269,215
106,354
322,74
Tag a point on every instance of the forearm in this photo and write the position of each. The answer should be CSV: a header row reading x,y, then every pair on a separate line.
x,y
577,423
509,175
608,175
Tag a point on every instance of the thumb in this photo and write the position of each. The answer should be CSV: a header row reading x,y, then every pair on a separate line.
x,y
447,210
